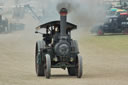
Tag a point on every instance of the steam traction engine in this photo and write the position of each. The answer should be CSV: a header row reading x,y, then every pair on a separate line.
x,y
57,49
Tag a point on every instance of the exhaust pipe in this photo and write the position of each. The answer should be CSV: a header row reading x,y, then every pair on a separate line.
x,y
63,21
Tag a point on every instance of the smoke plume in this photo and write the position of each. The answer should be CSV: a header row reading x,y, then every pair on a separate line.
x,y
85,13
66,4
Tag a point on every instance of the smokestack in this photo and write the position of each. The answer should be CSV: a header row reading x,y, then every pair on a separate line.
x,y
63,21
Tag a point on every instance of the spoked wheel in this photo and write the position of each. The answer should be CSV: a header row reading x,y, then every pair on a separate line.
x,y
100,32
47,66
79,67
125,31
39,65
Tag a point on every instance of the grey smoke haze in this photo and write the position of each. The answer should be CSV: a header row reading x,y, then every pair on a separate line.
x,y
85,13
66,4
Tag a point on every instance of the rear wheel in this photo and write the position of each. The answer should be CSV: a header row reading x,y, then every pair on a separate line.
x,y
39,65
47,66
72,71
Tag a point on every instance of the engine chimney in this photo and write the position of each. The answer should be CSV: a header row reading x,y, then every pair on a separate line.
x,y
63,21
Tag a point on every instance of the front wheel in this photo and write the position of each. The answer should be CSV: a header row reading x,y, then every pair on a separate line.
x,y
47,66
79,67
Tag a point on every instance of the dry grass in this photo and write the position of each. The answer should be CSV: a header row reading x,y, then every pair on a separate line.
x,y
113,43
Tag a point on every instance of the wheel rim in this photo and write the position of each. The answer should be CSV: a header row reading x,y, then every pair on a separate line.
x,y
47,66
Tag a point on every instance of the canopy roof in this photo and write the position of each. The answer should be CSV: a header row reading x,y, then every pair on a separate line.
x,y
70,26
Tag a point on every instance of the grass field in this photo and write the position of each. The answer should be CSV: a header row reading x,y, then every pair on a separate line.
x,y
111,43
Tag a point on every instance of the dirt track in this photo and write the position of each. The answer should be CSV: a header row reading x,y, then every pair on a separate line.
x,y
101,66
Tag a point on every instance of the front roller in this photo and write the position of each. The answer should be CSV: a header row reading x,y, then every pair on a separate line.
x,y
47,66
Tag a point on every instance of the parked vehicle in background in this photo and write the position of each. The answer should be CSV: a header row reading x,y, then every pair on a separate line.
x,y
113,24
